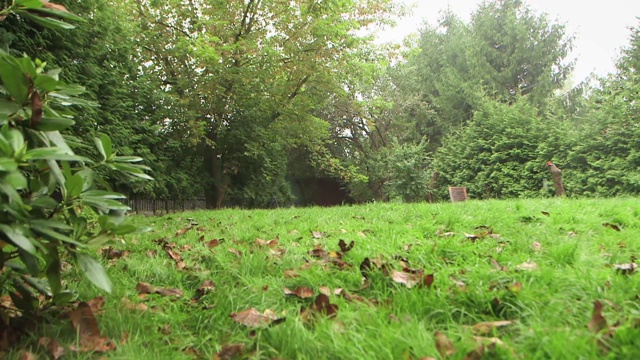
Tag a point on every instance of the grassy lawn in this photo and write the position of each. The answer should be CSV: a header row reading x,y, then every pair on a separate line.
x,y
511,280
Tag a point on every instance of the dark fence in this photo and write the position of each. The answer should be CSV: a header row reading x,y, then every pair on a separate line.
x,y
165,206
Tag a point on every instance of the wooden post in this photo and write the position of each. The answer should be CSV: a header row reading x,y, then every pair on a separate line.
x,y
458,194
556,175
432,188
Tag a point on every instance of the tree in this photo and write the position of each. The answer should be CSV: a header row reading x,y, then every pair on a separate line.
x,y
504,53
251,73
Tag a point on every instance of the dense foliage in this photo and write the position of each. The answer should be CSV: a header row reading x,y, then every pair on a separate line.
x,y
53,204
240,102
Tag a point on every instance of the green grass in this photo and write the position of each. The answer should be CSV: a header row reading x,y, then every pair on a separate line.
x,y
551,310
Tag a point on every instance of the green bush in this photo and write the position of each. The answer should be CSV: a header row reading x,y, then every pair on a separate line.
x,y
501,153
52,208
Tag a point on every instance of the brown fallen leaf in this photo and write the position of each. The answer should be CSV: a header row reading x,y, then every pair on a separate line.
x,y
545,213
317,234
236,252
290,273
213,243
229,351
86,325
527,266
130,305
318,252
626,269
476,354
598,322
26,355
484,328
144,288
444,345
344,247
321,305
497,265
206,287
151,253
536,246
612,226
365,267
302,292
472,237
254,318
173,255
54,349
408,279
110,253
427,280
183,230
268,243
96,304
325,290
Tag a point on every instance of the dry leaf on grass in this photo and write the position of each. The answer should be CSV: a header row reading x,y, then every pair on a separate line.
x,y
54,349
444,345
626,269
536,246
144,288
213,243
229,351
321,305
527,266
301,292
254,318
598,322
317,234
26,355
236,252
183,231
86,325
268,243
487,327
344,247
611,226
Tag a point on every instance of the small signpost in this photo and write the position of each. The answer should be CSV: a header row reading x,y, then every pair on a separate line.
x,y
458,194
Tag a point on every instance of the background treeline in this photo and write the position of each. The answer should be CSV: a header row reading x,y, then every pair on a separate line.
x,y
255,103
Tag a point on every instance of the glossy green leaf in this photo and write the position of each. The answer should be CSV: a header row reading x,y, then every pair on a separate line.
x,y
54,124
15,179
13,79
74,186
8,164
18,237
45,83
95,272
46,22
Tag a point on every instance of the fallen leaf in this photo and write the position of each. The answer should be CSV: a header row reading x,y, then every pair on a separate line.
x,y
427,280
515,287
151,253
229,351
536,246
25,355
365,267
444,234
144,288
130,305
611,226
173,255
236,252
110,253
408,279
55,350
344,247
323,305
527,266
165,330
444,345
362,234
318,252
290,273
294,232
213,243
269,243
169,292
183,231
253,318
301,292
325,290
96,304
277,252
476,354
626,269
317,234
545,213
484,328
471,237
496,264
343,231
598,322
86,325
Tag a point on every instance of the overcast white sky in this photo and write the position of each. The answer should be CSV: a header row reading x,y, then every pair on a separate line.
x,y
601,28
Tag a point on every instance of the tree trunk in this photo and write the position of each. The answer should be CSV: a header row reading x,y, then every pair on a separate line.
x,y
556,175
